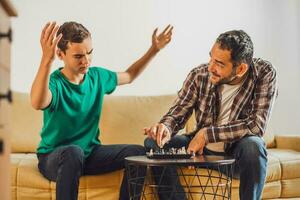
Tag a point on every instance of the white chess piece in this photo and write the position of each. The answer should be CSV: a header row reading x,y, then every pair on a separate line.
x,y
151,152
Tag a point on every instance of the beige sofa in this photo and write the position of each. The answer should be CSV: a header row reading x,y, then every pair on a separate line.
x,y
122,121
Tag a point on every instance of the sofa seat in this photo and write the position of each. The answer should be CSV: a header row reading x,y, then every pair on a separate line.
x,y
283,173
28,183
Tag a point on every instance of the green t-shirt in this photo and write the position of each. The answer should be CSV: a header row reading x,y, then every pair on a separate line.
x,y
74,112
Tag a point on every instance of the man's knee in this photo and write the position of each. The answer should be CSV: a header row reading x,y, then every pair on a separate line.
x,y
252,150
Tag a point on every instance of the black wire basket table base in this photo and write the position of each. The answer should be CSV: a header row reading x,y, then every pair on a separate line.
x,y
201,177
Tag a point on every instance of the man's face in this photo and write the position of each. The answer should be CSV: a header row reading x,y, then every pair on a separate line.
x,y
78,56
220,66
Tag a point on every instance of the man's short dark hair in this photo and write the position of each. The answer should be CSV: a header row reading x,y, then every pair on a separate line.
x,y
240,45
71,32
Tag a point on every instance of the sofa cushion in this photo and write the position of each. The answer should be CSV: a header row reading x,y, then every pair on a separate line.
x,y
272,190
290,188
26,124
274,168
289,162
124,117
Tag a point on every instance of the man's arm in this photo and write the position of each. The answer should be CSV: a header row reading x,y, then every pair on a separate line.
x,y
182,109
178,114
158,42
40,94
265,92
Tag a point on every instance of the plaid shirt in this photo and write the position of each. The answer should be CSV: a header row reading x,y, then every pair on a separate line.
x,y
250,109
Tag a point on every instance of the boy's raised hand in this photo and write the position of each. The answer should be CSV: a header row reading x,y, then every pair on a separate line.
x,y
160,41
49,41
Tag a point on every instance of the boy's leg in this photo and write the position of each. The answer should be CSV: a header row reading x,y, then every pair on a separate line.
x,y
170,176
108,158
64,166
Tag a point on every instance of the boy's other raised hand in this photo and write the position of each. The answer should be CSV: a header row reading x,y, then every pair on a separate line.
x,y
49,41
161,40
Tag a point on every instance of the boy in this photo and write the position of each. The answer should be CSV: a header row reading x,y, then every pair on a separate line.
x,y
71,99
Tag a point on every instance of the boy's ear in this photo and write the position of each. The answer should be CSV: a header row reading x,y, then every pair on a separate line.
x,y
59,53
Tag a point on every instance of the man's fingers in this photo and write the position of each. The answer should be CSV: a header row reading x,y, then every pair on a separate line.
x,y
160,128
160,131
158,138
146,130
200,151
153,131
166,138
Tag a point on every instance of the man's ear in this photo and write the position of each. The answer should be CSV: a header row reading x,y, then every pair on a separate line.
x,y
242,69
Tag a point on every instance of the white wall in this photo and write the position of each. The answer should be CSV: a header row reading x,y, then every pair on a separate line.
x,y
121,32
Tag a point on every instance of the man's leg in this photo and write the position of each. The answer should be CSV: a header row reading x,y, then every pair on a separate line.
x,y
168,175
251,164
108,158
64,166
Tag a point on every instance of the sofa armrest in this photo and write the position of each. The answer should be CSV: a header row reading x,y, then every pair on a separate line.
x,y
288,142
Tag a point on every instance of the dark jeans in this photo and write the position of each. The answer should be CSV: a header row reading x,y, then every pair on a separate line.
x,y
66,164
250,165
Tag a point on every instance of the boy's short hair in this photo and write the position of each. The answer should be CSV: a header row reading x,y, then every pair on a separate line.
x,y
71,32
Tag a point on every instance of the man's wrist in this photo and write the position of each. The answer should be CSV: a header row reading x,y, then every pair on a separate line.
x,y
203,134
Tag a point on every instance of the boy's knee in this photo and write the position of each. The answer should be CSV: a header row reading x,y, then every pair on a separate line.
x,y
73,154
135,150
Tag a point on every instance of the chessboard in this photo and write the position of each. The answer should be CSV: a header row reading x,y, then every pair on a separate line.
x,y
169,154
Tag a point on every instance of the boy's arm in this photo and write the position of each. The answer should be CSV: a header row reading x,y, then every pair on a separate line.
x,y
40,94
158,42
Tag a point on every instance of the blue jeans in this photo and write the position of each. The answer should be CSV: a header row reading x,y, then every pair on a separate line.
x,y
250,166
66,164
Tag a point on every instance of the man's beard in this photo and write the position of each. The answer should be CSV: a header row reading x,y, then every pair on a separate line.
x,y
232,77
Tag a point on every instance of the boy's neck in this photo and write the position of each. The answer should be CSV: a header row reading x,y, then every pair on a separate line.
x,y
73,78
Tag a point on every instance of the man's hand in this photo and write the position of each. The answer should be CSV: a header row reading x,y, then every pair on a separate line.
x,y
160,133
198,142
160,41
49,41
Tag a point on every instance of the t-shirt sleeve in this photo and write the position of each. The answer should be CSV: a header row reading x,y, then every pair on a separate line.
x,y
53,89
108,80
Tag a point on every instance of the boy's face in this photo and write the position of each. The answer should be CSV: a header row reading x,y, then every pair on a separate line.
x,y
78,56
220,66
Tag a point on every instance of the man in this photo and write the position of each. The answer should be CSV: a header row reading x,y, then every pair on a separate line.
x,y
232,97
71,99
